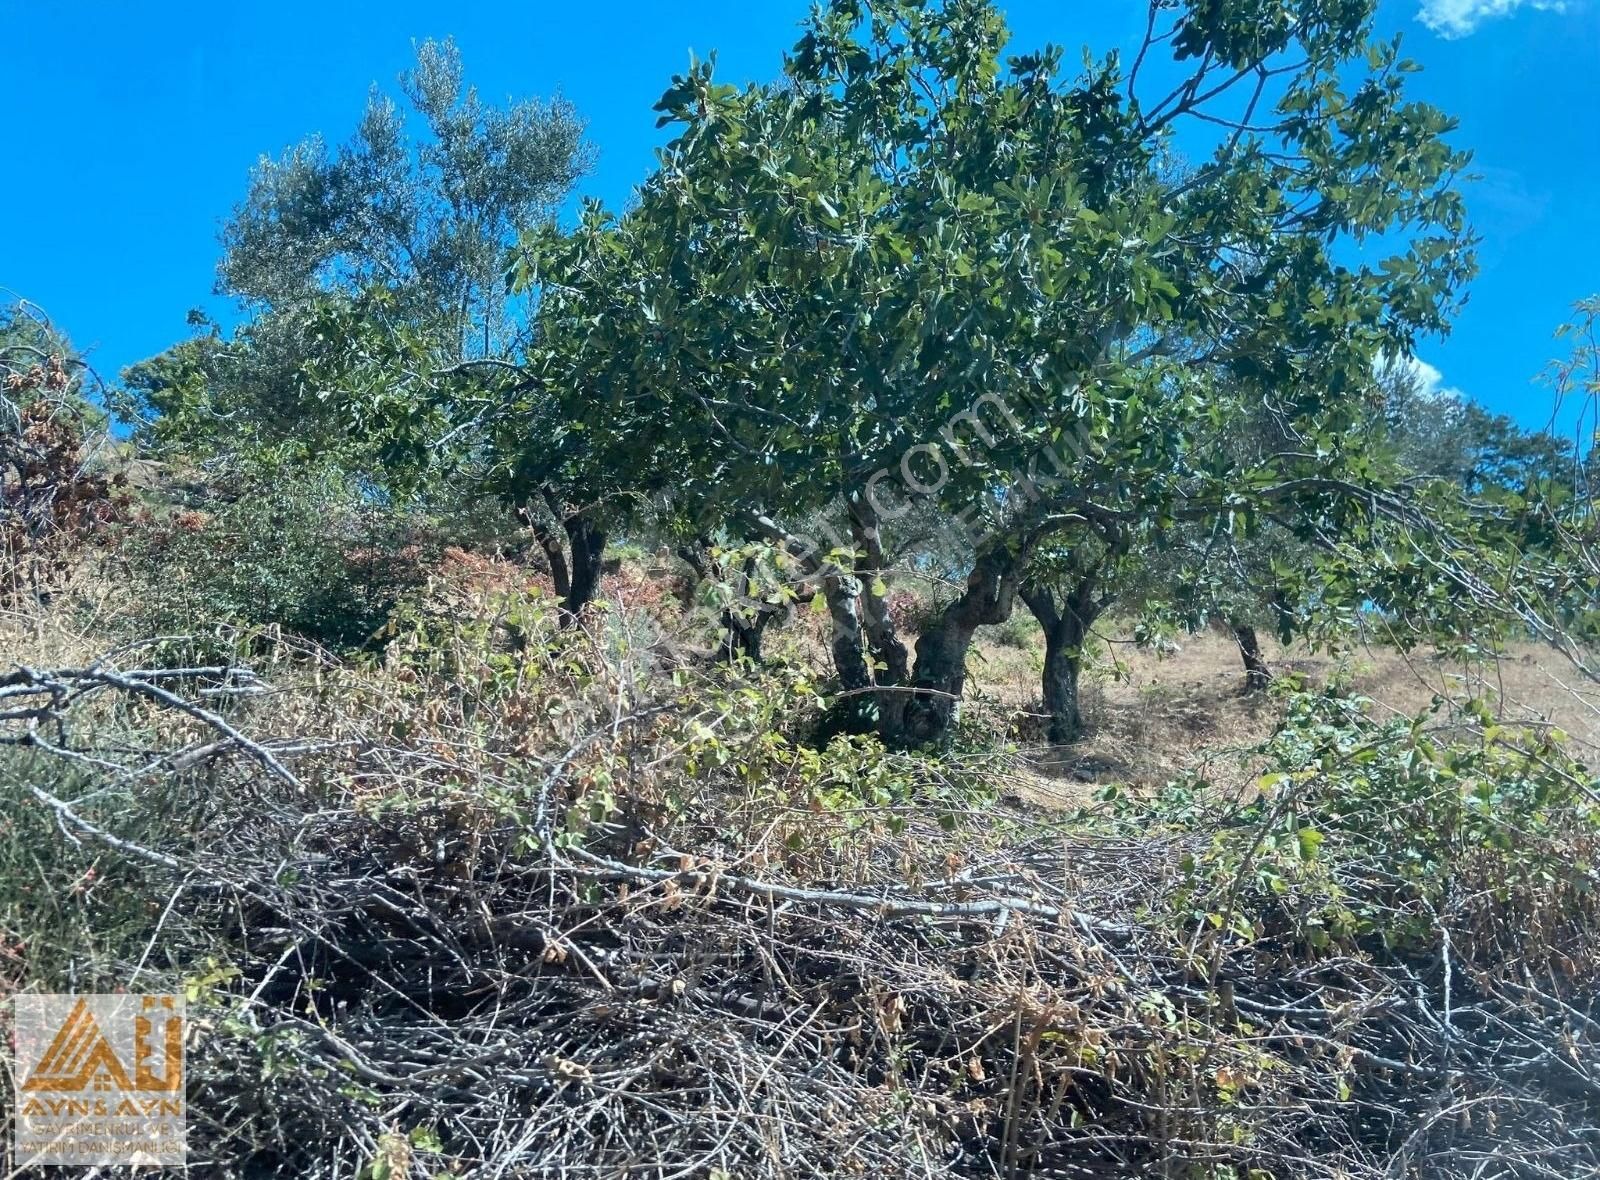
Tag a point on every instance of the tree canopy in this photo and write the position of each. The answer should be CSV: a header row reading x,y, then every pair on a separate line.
x,y
914,265
408,227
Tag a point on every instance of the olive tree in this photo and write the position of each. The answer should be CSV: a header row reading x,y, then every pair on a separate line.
x,y
407,227
428,214
1270,573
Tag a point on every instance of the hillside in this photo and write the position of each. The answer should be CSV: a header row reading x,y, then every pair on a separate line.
x,y
955,629
521,893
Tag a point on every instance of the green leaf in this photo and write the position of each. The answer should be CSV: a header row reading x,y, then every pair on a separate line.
x,y
1310,840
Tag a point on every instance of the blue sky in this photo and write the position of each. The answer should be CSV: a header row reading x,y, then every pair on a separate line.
x,y
131,130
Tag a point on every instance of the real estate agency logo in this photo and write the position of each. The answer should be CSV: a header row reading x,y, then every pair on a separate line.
x,y
100,1080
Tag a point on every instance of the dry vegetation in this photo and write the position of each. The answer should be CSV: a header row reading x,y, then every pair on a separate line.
x,y
1152,715
477,854
514,900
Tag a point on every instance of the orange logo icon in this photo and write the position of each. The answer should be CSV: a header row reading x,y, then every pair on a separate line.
x,y
103,1079
80,1056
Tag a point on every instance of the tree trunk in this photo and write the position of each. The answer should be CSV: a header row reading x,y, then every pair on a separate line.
x,y
872,693
1062,664
746,622
941,670
588,546
857,708
555,555
941,676
891,664
1257,676
1066,626
575,554
747,637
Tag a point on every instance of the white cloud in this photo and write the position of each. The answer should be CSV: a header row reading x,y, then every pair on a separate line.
x,y
1429,381
1457,18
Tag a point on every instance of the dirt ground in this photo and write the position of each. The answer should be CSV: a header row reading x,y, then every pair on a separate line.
x,y
1151,717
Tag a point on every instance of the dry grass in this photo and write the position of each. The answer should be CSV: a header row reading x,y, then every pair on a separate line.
x,y
1152,717
66,623
512,902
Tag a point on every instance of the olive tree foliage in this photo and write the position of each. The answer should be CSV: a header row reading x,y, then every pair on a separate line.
x,y
217,396
428,218
1269,579
491,429
912,268
1444,436
410,222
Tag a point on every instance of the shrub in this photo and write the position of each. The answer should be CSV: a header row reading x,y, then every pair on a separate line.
x,y
51,496
306,554
911,611
1020,631
1389,831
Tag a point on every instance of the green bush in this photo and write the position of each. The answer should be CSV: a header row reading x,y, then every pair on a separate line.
x,y
1361,833
306,553
1020,631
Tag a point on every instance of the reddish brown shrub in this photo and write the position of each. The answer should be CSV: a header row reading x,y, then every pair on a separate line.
x,y
50,503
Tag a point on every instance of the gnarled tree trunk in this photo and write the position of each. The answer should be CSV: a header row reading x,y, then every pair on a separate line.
x,y
747,624
1066,626
587,546
575,554
941,669
746,632
871,690
857,707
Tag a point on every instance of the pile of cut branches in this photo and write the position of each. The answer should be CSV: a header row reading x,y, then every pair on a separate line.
x,y
419,940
